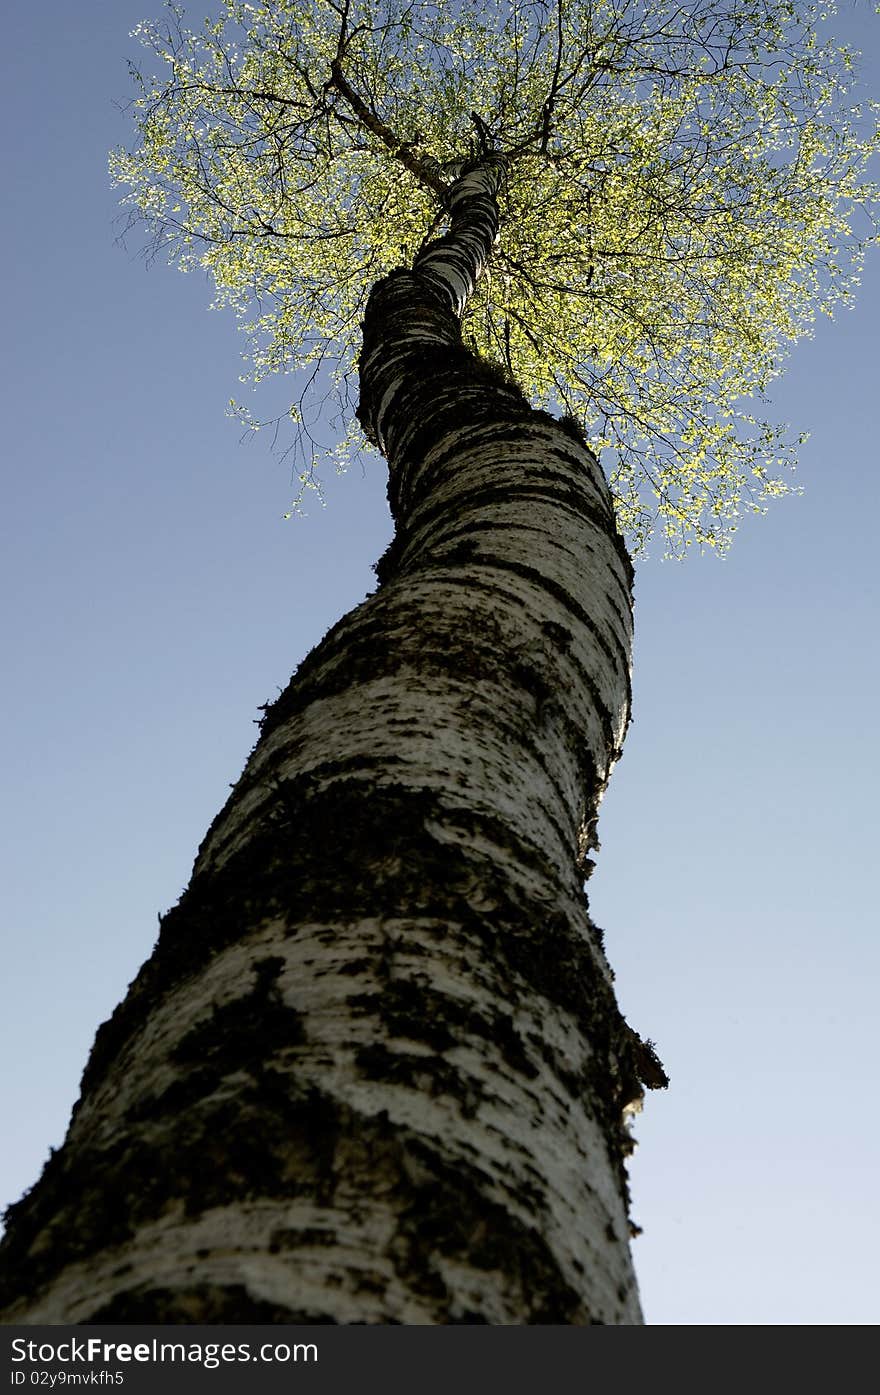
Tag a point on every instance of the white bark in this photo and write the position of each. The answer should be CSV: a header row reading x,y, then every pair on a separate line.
x,y
374,1070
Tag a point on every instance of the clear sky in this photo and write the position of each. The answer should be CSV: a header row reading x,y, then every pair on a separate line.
x,y
153,597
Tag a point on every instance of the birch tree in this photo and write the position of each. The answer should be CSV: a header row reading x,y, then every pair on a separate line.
x,y
374,1069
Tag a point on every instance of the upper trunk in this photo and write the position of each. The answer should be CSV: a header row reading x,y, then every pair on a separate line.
x,y
373,1070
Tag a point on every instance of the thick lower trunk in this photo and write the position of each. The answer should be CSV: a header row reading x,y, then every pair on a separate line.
x,y
374,1070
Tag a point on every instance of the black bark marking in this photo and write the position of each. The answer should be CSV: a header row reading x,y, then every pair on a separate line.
x,y
288,1238
448,1211
247,1032
209,1304
425,1074
419,1013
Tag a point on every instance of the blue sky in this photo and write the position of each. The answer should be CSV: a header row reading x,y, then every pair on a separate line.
x,y
153,597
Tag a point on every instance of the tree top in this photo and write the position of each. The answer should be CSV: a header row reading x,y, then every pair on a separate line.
x,y
684,190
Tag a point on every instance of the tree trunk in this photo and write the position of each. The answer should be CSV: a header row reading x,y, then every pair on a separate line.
x,y
374,1070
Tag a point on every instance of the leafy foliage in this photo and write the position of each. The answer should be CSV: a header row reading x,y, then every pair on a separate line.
x,y
685,189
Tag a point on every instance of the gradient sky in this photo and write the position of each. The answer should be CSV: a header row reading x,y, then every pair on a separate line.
x,y
153,597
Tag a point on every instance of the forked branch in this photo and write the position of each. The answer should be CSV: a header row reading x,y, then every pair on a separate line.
x,y
426,171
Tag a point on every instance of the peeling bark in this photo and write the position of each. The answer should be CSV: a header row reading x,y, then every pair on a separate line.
x,y
374,1070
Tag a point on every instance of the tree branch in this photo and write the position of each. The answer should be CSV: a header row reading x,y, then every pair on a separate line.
x,y
547,111
403,151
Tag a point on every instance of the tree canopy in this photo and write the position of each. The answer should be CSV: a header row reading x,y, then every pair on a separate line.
x,y
685,188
